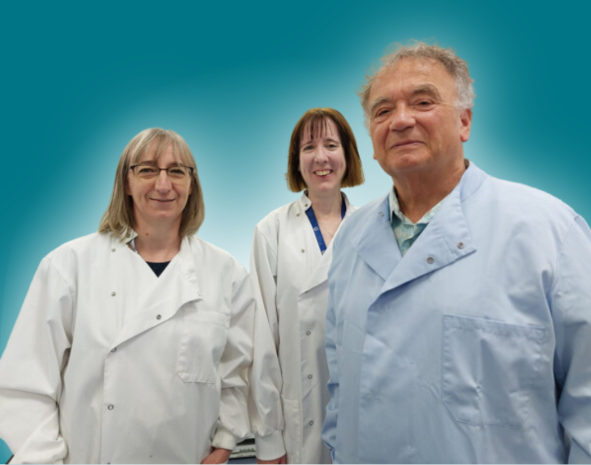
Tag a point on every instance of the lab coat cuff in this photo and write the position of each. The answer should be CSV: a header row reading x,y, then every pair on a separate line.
x,y
270,447
223,439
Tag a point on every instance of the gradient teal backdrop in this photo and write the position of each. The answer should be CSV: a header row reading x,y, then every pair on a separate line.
x,y
79,80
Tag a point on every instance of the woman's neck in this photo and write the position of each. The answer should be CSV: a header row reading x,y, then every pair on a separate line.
x,y
327,210
156,244
326,204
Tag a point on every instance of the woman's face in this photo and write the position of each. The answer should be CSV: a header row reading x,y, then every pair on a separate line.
x,y
161,199
322,159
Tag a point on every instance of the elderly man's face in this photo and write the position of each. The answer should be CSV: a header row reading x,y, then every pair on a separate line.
x,y
414,123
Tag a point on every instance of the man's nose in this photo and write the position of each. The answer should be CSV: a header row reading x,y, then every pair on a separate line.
x,y
402,118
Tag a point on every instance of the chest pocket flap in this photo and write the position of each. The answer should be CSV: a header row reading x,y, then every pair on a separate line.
x,y
203,335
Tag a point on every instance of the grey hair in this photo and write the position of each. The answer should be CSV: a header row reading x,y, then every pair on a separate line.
x,y
455,66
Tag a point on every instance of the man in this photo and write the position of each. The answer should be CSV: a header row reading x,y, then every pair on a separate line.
x,y
459,318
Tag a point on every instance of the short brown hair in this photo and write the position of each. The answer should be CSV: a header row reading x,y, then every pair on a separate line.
x,y
118,219
316,119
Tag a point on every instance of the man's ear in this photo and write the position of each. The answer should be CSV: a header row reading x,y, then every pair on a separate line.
x,y
465,124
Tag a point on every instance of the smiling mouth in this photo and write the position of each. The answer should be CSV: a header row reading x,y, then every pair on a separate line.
x,y
406,142
323,172
163,200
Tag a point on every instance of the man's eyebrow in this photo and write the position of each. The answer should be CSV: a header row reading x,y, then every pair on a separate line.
x,y
377,102
428,89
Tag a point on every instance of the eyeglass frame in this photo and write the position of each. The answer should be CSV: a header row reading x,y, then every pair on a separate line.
x,y
190,168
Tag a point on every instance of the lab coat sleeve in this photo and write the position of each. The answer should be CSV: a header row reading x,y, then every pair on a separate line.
x,y
266,414
570,300
233,369
329,429
31,370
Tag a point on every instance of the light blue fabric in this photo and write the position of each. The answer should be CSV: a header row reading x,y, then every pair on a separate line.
x,y
405,231
474,347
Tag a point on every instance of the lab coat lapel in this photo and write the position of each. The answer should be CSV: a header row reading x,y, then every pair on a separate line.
x,y
377,244
445,240
320,272
174,288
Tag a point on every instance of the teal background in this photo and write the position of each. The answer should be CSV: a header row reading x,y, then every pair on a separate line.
x,y
79,80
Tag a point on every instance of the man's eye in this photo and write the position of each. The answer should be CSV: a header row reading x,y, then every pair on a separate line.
x,y
424,103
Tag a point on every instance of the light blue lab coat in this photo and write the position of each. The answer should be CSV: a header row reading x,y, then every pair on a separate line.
x,y
474,347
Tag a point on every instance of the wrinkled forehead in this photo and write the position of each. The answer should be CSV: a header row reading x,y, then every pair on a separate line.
x,y
407,74
320,127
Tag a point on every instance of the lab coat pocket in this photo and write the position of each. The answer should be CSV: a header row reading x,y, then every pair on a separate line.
x,y
202,343
488,369
292,435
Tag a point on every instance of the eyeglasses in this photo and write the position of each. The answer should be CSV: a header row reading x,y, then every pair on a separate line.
x,y
175,173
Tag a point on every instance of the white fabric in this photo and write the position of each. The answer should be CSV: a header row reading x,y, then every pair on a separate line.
x,y
109,363
289,275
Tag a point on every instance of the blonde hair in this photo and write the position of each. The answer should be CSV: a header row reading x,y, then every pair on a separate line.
x,y
316,119
118,219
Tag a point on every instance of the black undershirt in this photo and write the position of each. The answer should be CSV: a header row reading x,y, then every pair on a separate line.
x,y
158,268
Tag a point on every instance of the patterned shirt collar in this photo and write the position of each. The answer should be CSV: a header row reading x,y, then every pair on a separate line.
x,y
405,231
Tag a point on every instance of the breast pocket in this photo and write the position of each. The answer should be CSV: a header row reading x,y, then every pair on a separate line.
x,y
488,369
202,342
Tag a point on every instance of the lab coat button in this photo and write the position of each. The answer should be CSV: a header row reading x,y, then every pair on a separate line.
x,y
381,213
303,250
308,333
297,214
112,250
311,422
306,205
460,245
430,260
113,293
110,406
158,317
310,376
114,349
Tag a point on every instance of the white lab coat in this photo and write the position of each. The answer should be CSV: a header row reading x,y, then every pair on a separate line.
x,y
109,363
289,274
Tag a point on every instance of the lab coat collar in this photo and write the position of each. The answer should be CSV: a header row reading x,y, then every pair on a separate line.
x,y
304,202
376,243
171,292
445,240
320,272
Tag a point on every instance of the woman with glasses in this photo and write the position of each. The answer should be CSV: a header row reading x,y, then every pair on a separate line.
x,y
291,254
133,343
